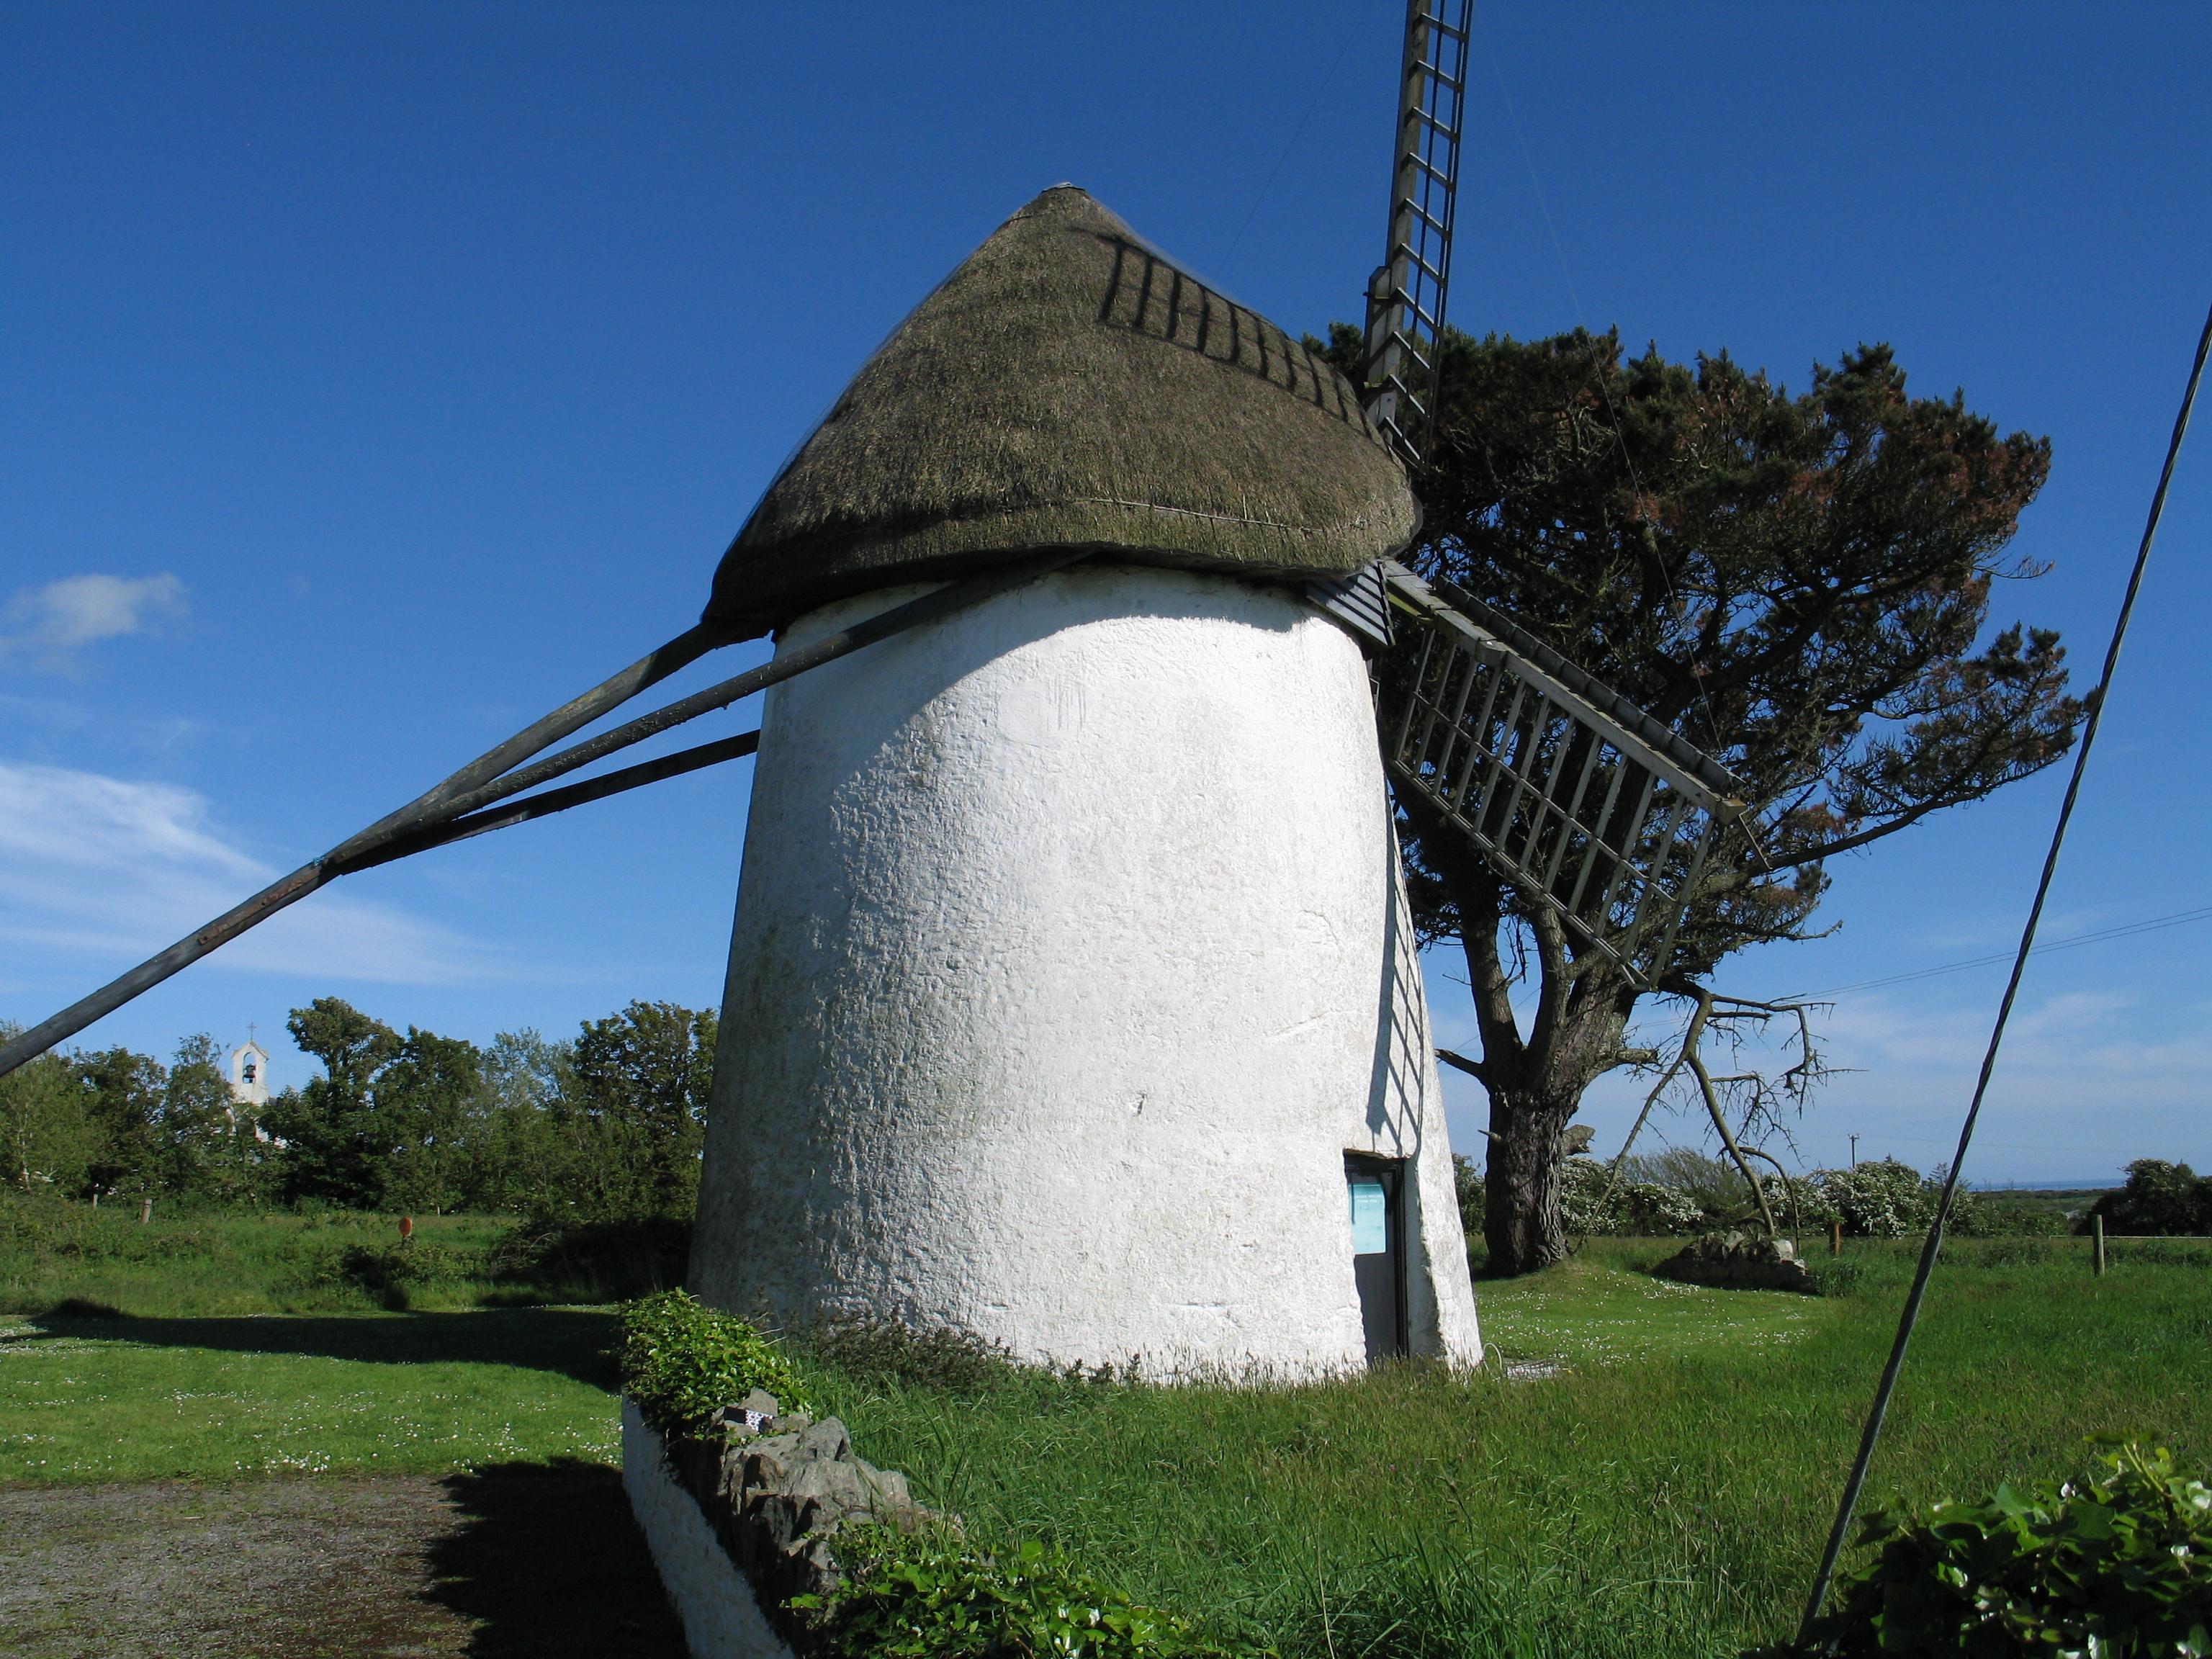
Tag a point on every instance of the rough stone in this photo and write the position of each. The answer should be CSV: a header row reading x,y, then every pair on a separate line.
x,y
1735,1262
826,1440
777,1500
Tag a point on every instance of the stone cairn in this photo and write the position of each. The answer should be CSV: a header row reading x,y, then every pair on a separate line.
x,y
1732,1262
776,1487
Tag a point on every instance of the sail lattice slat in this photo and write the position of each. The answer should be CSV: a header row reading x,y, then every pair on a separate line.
x,y
1405,299
1586,804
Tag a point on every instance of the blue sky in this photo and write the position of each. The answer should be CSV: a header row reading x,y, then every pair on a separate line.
x,y
376,378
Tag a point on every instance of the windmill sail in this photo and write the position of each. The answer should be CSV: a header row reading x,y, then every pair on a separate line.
x,y
1588,807
1406,298
1587,804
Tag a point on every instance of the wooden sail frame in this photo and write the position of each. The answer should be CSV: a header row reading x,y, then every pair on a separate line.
x,y
1588,807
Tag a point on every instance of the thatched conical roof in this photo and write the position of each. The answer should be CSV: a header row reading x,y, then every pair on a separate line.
x,y
1068,387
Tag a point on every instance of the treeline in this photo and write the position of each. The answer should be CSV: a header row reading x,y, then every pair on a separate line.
x,y
1686,1192
604,1126
1683,1191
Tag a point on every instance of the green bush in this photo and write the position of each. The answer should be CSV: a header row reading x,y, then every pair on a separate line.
x,y
1466,1184
679,1361
2119,1566
1884,1197
2159,1198
606,1260
935,1595
390,1271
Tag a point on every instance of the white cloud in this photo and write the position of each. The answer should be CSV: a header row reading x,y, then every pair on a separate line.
x,y
48,627
98,872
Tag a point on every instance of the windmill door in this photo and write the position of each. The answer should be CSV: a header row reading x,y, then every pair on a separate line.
x,y
1376,1189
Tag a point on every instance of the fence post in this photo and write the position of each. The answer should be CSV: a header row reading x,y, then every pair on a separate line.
x,y
145,1212
1835,1239
2096,1247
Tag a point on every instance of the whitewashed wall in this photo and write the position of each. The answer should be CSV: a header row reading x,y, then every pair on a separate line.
x,y
722,1617
1070,959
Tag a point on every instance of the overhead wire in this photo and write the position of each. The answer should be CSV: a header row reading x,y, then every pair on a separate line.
x,y
1597,367
1885,1390
2126,930
1291,143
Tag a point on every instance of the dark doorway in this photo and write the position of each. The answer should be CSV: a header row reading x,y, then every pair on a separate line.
x,y
1375,1187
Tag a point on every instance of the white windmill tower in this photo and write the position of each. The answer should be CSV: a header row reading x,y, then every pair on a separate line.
x,y
1072,996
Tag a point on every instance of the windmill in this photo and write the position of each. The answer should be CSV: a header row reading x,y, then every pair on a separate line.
x,y
1073,997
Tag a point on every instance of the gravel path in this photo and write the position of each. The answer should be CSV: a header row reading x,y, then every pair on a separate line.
x,y
516,1559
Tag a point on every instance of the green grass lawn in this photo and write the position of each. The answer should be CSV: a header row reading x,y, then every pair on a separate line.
x,y
1663,1490
124,1400
203,1265
1641,1468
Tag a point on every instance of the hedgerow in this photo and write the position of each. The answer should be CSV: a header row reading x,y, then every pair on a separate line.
x,y
935,1594
2118,1567
679,1361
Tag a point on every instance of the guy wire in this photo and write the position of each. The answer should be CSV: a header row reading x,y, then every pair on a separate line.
x,y
1870,1436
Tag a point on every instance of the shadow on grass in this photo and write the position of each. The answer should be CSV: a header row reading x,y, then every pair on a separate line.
x,y
572,1342
547,1561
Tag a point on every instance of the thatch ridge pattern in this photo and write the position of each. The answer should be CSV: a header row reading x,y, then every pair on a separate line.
x,y
1129,305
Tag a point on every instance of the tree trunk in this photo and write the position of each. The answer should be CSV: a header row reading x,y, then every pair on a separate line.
x,y
1521,1192
1535,1080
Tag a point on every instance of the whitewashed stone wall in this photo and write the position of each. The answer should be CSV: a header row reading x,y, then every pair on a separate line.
x,y
722,1618
1070,958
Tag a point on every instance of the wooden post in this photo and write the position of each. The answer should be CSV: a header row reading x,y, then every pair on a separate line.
x,y
1835,1239
145,1211
2097,1244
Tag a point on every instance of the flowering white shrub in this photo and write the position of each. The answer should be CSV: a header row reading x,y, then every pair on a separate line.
x,y
1641,1209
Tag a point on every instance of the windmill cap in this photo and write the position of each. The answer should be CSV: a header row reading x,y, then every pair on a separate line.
x,y
1069,387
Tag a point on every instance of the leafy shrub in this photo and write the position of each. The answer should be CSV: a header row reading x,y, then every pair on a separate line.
x,y
1466,1184
2120,1565
1880,1199
935,1595
679,1361
1590,1203
596,1260
391,1273
2159,1198
1713,1184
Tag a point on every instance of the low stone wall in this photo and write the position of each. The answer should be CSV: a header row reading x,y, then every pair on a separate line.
x,y
741,1519
1733,1262
722,1618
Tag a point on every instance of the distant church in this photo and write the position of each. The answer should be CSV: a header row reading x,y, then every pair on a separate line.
x,y
249,1076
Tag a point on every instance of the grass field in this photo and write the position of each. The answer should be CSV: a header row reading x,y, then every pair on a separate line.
x,y
1642,1469
212,1265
